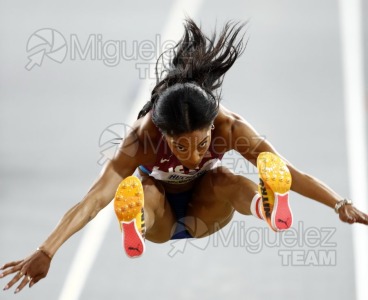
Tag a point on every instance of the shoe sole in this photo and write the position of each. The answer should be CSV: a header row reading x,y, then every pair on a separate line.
x,y
275,174
128,205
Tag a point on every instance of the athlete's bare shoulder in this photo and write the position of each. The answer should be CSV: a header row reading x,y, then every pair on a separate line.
x,y
145,128
234,129
227,121
222,134
139,145
226,117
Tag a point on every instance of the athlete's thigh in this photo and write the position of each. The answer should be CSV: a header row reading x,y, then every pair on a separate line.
x,y
216,196
159,217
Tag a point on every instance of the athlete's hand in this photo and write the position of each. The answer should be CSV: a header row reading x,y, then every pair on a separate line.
x,y
350,214
28,271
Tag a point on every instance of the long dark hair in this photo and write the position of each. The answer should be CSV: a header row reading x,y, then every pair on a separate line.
x,y
187,95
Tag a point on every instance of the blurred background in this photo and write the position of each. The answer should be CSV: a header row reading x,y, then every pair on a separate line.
x,y
64,93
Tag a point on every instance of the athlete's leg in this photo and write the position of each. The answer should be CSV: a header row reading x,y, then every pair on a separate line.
x,y
216,196
159,217
143,212
219,192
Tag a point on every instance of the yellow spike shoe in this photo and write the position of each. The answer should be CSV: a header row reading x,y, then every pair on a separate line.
x,y
266,205
274,187
128,205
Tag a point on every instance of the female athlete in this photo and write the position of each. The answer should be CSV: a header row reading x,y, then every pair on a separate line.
x,y
175,147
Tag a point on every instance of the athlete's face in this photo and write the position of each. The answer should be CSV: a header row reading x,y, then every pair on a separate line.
x,y
190,148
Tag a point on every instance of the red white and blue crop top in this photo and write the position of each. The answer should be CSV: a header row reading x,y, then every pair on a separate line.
x,y
169,169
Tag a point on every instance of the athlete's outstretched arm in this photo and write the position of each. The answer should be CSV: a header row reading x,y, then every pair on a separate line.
x,y
302,183
35,267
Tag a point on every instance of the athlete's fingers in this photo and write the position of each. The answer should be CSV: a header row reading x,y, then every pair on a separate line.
x,y
24,282
11,270
351,220
346,216
351,214
365,219
10,264
32,283
35,280
15,279
362,218
357,216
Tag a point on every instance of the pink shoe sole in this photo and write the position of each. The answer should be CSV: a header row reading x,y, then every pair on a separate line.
x,y
133,242
281,216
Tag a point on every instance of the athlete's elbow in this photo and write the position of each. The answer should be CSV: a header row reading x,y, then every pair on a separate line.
x,y
99,202
91,205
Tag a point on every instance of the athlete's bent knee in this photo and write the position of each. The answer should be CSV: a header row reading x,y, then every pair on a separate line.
x,y
222,176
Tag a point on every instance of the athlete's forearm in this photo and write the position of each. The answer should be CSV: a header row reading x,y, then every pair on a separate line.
x,y
100,194
74,220
313,188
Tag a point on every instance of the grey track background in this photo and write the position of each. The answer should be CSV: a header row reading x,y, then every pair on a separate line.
x,y
288,85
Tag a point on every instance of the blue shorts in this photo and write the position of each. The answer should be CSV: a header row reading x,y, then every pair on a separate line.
x,y
179,204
